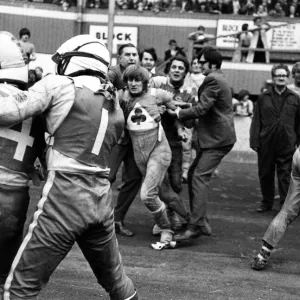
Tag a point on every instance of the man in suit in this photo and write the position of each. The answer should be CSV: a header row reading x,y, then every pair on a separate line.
x,y
216,137
123,152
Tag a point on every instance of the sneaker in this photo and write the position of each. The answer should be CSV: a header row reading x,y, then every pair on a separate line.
x,y
260,261
122,230
205,228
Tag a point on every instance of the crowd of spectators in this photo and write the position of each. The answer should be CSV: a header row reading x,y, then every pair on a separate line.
x,y
263,8
274,8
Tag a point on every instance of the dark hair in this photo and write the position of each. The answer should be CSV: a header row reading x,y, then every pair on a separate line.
x,y
24,31
120,51
212,55
194,57
151,51
245,27
172,41
280,66
257,18
137,73
296,67
179,58
242,94
201,27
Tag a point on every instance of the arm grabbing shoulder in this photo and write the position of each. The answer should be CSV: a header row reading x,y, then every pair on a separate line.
x,y
17,105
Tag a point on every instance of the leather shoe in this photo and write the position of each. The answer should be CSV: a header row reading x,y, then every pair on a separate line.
x,y
205,228
263,208
122,230
188,234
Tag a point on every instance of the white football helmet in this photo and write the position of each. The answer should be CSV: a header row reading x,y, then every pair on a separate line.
x,y
82,52
13,67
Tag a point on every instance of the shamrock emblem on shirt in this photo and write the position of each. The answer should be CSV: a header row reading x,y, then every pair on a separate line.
x,y
138,116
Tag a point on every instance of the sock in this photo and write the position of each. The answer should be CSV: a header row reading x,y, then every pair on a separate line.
x,y
265,251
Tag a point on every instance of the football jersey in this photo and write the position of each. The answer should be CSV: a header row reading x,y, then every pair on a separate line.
x,y
90,130
22,143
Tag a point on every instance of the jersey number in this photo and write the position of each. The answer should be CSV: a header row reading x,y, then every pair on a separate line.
x,y
23,138
101,132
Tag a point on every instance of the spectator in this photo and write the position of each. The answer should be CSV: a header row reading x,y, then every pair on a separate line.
x,y
31,78
244,107
189,6
261,11
267,4
292,11
175,5
128,55
278,11
200,38
244,38
259,41
236,6
148,59
193,80
274,134
38,73
213,7
295,86
173,51
266,85
123,152
28,47
216,137
227,7
202,6
122,4
290,209
247,8
177,69
195,77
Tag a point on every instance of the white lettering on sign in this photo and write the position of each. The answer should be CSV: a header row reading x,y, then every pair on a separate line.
x,y
227,27
23,138
101,132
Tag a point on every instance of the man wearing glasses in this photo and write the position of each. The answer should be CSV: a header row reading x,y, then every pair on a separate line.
x,y
216,137
274,134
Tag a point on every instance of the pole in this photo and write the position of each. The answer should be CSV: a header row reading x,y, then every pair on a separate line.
x,y
111,15
79,20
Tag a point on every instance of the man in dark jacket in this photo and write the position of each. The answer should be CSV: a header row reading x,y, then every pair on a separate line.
x,y
274,134
123,152
216,137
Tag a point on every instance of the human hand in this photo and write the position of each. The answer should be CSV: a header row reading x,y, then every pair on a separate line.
x,y
174,113
255,149
162,109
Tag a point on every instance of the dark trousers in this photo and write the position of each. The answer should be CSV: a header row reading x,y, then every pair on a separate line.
x,y
268,160
14,203
175,169
201,170
131,177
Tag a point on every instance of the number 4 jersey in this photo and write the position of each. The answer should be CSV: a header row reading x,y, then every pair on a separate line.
x,y
83,124
20,145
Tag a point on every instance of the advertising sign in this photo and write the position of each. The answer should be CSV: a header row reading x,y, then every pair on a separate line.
x,y
121,35
278,38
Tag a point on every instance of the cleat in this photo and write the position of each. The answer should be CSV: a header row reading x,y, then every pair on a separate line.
x,y
259,263
167,245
